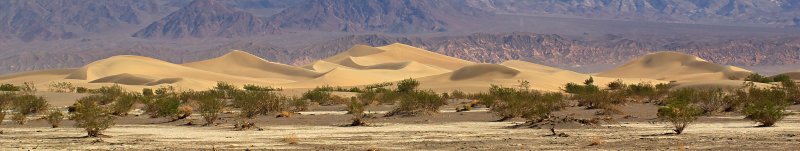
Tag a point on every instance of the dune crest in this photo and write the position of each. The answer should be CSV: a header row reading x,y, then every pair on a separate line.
x,y
240,63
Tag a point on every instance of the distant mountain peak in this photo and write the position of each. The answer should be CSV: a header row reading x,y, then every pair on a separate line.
x,y
397,16
206,18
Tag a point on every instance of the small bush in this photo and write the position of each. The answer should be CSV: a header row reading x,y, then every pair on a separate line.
x,y
165,107
148,92
680,111
758,78
54,118
319,96
609,101
531,105
407,85
418,102
6,101
8,87
124,104
81,90
252,103
63,87
766,106
29,104
711,101
91,116
356,108
616,85
211,105
251,87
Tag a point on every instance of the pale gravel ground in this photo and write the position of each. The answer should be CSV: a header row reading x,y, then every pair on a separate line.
x,y
738,135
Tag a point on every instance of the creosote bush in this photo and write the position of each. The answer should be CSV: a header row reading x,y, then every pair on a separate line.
x,y
320,96
252,103
407,85
710,101
765,106
92,116
54,118
210,106
680,111
356,108
26,105
6,100
417,102
63,87
532,105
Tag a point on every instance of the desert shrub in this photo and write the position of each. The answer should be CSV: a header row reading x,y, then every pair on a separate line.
x,y
165,106
356,108
19,118
710,101
588,87
418,102
782,78
758,78
54,118
680,111
210,106
109,94
251,87
124,104
184,111
28,88
319,96
377,85
29,104
609,101
8,87
616,85
532,105
252,103
458,94
81,90
92,116
148,92
383,97
407,85
765,106
63,87
298,105
6,101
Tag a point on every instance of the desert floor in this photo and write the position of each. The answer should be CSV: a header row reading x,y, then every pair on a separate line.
x,y
473,130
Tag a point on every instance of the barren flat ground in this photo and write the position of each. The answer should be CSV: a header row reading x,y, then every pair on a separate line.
x,y
474,130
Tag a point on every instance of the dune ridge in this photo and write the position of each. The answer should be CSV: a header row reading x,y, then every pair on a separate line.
x,y
362,65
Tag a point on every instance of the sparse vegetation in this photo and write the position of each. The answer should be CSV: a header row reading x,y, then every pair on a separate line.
x,y
418,102
616,85
210,106
63,87
320,96
765,106
8,87
710,101
92,116
251,87
356,108
6,100
252,103
680,111
407,85
531,105
27,104
54,118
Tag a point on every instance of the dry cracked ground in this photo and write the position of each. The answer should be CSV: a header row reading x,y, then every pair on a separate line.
x,y
444,131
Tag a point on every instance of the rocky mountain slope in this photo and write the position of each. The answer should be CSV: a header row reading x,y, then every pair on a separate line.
x,y
206,18
397,16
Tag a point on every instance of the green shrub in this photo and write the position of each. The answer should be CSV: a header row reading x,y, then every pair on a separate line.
x,y
609,101
148,92
616,85
165,106
418,102
356,108
319,96
8,87
108,94
210,105
124,104
29,104
531,105
766,106
63,87
251,87
758,78
458,94
27,88
252,103
298,105
407,85
573,88
680,111
377,85
81,90
92,116
54,118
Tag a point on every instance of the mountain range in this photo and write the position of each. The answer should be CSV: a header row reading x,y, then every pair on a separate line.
x,y
583,35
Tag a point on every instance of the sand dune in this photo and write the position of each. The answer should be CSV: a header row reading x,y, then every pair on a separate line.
x,y
673,66
240,63
362,65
